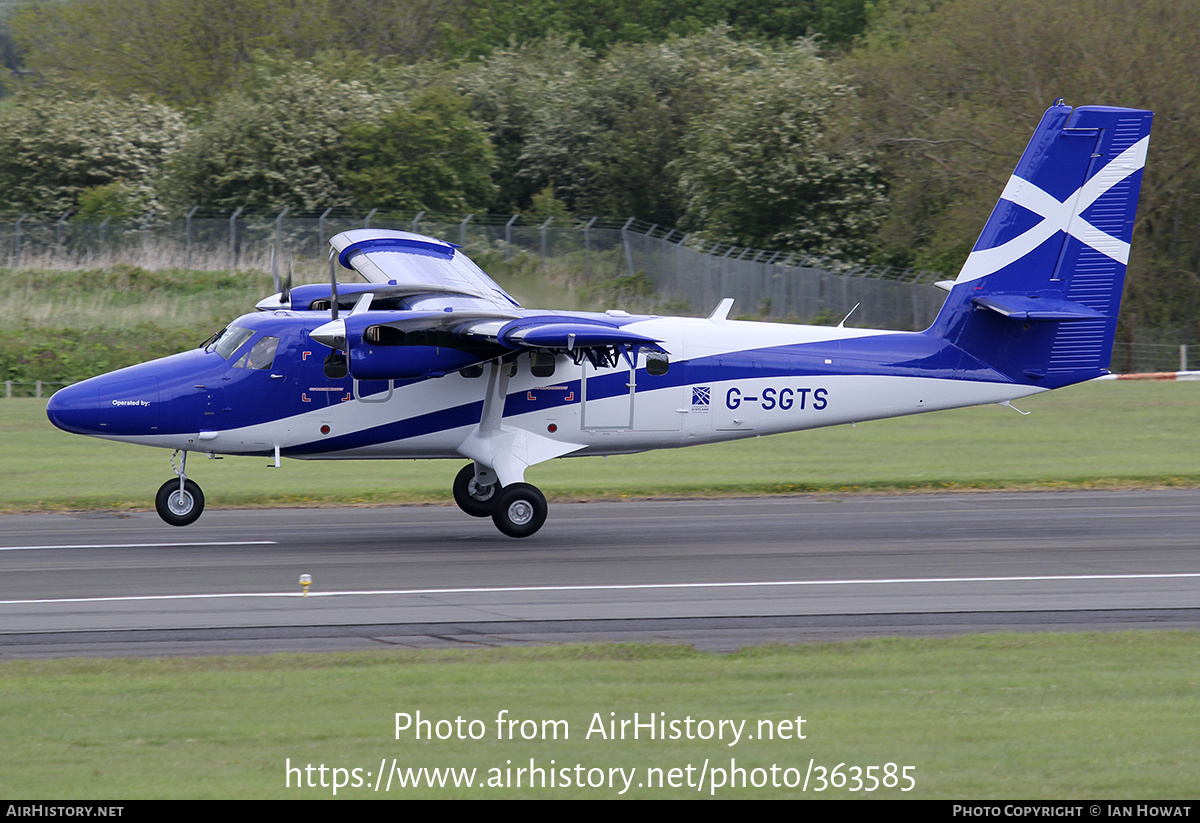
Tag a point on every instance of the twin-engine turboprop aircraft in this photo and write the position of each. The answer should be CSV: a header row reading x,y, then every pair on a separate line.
x,y
431,358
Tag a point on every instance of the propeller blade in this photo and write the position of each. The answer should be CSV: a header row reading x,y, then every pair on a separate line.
x,y
333,299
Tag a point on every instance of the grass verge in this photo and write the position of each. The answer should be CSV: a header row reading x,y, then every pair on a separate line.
x,y
997,716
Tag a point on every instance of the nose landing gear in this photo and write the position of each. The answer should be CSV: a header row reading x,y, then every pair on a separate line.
x,y
179,502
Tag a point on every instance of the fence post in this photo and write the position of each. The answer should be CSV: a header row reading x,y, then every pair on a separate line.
x,y
542,230
625,243
1183,357
508,237
8,388
37,389
187,231
145,231
279,230
462,230
58,229
17,240
587,248
103,223
233,238
321,229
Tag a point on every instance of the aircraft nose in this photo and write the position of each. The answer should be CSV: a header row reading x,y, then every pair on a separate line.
x,y
75,409
124,402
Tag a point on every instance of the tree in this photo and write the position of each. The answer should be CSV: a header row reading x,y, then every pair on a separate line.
x,y
955,87
278,141
189,52
429,154
54,146
506,90
777,163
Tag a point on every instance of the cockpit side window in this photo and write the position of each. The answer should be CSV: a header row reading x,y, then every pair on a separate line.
x,y
261,354
232,338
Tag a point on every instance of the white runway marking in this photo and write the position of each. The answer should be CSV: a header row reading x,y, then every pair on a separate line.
x,y
617,587
139,545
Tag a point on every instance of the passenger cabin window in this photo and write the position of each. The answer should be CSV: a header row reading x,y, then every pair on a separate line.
x,y
657,363
260,356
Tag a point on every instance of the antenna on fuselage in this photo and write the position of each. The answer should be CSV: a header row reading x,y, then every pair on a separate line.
x,y
842,325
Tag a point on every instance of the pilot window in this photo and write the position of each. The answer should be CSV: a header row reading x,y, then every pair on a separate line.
x,y
260,356
231,339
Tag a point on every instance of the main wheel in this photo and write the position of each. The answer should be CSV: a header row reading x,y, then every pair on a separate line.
x,y
471,497
520,510
176,507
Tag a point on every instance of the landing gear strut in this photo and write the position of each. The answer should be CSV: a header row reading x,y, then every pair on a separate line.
x,y
179,502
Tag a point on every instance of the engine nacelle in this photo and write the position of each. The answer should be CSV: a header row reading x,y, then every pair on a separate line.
x,y
369,362
421,345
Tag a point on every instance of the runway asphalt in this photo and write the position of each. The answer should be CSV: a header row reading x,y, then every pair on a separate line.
x,y
715,573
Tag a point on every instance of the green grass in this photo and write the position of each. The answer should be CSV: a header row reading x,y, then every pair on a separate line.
x,y
1106,434
1001,716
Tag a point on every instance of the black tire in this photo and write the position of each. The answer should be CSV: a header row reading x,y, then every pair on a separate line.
x,y
520,510
177,509
472,498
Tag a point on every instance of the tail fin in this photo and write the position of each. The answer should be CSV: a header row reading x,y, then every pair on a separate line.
x,y
1037,299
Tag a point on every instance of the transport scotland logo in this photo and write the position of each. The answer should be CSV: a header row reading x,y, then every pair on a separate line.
x,y
700,395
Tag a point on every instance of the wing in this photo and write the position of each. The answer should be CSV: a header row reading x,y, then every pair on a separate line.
x,y
429,310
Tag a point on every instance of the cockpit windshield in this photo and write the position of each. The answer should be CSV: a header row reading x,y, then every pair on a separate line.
x,y
231,339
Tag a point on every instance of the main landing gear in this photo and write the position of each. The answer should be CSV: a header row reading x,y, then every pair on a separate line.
x,y
179,502
518,510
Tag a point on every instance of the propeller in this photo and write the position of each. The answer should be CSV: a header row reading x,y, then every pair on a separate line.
x,y
333,333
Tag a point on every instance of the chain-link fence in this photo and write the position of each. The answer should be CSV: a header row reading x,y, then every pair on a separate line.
x,y
641,266
667,268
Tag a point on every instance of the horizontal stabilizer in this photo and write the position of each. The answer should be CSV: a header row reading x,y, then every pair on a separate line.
x,y
1036,307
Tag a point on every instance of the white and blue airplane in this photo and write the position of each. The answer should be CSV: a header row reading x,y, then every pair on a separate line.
x,y
432,359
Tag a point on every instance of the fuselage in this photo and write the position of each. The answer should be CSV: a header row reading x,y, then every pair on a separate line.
x,y
263,387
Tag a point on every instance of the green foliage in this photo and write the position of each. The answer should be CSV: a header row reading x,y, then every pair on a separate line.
x,y
605,133
606,24
507,90
775,165
117,200
189,52
955,89
547,205
428,155
55,146
278,141
614,135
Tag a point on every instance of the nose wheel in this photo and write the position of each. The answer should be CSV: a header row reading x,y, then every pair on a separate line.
x,y
179,503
